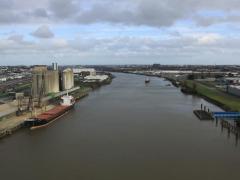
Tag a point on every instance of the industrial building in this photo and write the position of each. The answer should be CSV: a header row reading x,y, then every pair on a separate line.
x,y
38,80
232,80
55,66
98,78
234,90
52,82
67,79
44,81
83,72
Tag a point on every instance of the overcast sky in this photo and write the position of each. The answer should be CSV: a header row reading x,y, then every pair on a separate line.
x,y
119,31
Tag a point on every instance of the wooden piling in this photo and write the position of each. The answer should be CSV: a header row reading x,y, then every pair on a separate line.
x,y
230,128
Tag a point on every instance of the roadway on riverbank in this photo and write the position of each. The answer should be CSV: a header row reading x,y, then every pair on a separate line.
x,y
11,123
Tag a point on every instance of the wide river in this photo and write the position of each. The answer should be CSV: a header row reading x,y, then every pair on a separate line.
x,y
125,131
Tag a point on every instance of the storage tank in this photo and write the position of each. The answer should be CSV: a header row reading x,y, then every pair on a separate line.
x,y
51,82
67,79
44,81
38,75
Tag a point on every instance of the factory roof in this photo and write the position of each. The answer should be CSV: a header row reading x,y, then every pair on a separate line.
x,y
79,70
97,77
235,86
68,70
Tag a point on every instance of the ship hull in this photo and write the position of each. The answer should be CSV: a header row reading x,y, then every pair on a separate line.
x,y
48,117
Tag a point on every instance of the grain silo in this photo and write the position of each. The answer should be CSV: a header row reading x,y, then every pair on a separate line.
x,y
44,81
67,79
38,85
52,82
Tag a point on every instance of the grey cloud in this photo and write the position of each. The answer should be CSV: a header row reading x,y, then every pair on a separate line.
x,y
152,12
16,38
63,8
156,13
14,43
40,12
4,4
7,17
203,21
181,45
202,47
19,39
43,32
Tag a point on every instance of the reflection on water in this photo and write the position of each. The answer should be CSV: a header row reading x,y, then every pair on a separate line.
x,y
127,130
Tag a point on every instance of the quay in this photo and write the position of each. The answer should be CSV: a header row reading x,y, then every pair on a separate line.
x,y
11,123
8,125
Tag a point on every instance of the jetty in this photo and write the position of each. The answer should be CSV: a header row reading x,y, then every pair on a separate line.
x,y
204,113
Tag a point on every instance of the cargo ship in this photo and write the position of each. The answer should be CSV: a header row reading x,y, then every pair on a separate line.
x,y
44,119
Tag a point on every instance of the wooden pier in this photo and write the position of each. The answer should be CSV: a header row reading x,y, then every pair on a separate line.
x,y
230,127
204,113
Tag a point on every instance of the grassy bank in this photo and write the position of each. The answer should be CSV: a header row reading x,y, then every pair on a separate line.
x,y
224,100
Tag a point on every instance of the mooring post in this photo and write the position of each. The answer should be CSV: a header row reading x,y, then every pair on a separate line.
x,y
216,122
205,108
236,140
201,106
229,132
221,126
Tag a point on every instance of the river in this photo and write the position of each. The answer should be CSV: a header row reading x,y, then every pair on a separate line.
x,y
125,131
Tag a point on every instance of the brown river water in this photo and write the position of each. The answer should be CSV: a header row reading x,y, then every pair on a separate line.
x,y
125,131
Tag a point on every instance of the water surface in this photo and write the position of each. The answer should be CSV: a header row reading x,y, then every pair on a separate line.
x,y
125,131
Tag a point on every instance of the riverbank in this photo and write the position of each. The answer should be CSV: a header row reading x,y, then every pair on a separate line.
x,y
103,133
12,123
225,101
95,83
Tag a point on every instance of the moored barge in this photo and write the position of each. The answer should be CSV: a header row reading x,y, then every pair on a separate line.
x,y
48,117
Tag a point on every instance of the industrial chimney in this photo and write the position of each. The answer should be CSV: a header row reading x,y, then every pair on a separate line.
x,y
55,66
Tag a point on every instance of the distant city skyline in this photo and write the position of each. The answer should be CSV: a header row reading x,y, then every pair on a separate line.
x,y
119,32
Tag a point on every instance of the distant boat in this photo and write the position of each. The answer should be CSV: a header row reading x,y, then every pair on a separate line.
x,y
147,80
